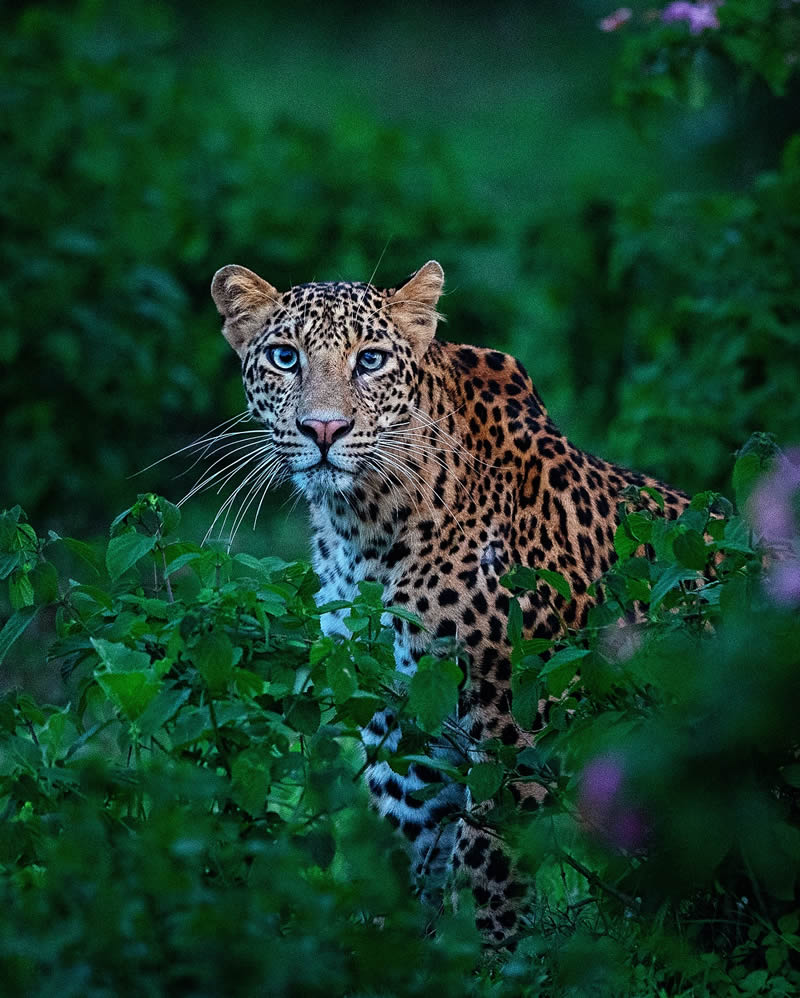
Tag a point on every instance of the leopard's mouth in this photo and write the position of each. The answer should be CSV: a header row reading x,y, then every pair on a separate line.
x,y
323,478
325,464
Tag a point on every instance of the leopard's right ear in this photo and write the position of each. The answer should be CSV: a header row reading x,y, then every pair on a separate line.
x,y
244,301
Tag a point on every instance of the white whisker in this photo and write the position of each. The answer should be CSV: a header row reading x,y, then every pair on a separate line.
x,y
227,424
207,480
404,468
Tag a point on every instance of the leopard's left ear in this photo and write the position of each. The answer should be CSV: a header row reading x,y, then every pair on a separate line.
x,y
413,305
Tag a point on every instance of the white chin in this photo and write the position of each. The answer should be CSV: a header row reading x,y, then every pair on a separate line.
x,y
317,483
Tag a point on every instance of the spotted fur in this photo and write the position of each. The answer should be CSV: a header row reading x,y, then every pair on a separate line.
x,y
444,471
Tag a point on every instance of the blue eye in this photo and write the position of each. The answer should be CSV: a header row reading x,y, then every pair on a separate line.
x,y
371,360
284,358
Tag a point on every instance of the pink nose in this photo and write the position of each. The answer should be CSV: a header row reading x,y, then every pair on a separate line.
x,y
324,432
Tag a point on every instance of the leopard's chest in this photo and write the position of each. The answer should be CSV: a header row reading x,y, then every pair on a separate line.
x,y
341,562
342,558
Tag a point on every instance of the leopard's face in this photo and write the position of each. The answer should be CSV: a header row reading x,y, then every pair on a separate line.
x,y
328,368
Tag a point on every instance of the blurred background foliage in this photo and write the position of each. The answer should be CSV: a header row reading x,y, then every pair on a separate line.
x,y
615,197
620,210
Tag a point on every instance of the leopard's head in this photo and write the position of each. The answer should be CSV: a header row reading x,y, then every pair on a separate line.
x,y
329,368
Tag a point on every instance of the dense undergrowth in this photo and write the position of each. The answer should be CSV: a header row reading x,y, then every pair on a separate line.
x,y
193,820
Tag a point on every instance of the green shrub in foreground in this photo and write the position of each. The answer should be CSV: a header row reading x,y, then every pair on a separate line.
x,y
193,820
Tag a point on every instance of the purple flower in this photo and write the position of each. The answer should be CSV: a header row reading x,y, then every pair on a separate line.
x,y
603,806
784,582
615,20
698,15
600,785
772,510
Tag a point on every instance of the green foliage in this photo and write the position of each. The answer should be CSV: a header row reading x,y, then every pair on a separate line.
x,y
201,792
755,40
189,816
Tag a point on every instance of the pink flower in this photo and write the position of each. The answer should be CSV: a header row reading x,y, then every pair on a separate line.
x,y
772,511
615,20
698,15
600,786
603,806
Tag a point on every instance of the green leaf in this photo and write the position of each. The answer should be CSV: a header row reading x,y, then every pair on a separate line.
x,y
14,627
187,558
162,709
321,846
668,580
362,705
304,715
125,550
433,692
754,982
320,650
95,594
690,549
484,780
251,778
693,519
638,589
20,590
85,552
356,624
640,524
264,568
44,579
342,679
403,614
118,657
336,604
8,562
213,658
526,691
170,516
737,536
130,692
654,494
556,580
530,757
564,657
624,544
745,474
661,538
514,626
535,646
560,669
791,774
372,592
520,578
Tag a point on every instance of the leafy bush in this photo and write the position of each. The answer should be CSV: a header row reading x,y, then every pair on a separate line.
x,y
194,818
184,812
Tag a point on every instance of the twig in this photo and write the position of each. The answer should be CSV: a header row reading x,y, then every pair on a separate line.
x,y
595,881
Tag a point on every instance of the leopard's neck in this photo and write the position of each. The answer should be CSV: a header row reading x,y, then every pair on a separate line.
x,y
355,535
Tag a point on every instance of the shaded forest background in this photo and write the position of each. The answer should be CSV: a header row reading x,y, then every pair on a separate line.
x,y
615,198
630,236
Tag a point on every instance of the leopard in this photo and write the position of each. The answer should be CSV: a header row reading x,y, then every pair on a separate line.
x,y
432,468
